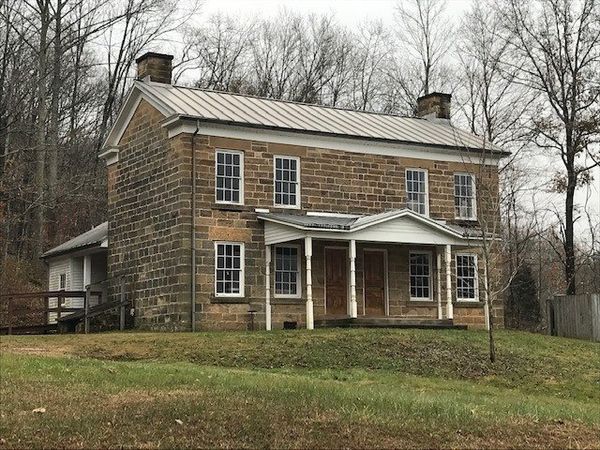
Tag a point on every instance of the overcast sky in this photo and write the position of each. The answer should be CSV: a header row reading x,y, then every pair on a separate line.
x,y
347,11
352,12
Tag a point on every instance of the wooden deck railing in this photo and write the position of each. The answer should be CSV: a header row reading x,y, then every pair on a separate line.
x,y
29,311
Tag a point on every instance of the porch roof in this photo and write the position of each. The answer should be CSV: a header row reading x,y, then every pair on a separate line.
x,y
394,226
96,237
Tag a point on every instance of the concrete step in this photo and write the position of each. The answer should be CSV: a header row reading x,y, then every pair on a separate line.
x,y
387,322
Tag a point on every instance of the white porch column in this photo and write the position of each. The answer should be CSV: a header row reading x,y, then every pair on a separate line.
x,y
310,317
353,306
449,308
438,282
486,306
87,270
268,325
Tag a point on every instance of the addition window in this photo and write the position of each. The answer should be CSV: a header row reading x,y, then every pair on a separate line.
x,y
420,275
229,269
62,282
287,271
466,277
464,196
417,196
287,181
229,177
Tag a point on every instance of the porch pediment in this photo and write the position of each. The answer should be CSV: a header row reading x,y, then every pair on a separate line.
x,y
397,226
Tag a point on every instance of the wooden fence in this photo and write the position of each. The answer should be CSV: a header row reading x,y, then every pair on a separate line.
x,y
576,316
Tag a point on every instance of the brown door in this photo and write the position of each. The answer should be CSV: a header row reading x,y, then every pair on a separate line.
x,y
336,281
374,268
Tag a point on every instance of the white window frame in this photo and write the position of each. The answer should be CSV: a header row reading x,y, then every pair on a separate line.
x,y
474,186
242,176
426,172
298,293
298,181
61,286
430,256
476,280
242,269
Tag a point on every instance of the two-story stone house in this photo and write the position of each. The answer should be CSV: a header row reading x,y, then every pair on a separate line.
x,y
220,203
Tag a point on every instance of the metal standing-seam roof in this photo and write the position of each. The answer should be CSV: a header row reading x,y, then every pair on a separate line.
x,y
244,110
94,237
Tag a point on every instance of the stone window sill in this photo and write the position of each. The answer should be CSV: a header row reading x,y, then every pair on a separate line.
x,y
287,301
230,300
467,304
230,207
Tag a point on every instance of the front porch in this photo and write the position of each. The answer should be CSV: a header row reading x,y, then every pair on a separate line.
x,y
395,269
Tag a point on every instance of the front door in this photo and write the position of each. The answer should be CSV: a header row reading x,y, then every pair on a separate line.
x,y
336,281
374,269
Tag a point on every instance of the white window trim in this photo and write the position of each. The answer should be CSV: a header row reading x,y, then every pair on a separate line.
x,y
242,270
242,176
413,169
298,294
460,299
421,299
298,177
474,184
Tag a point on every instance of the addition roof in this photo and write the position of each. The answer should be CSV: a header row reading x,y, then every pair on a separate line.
x,y
96,237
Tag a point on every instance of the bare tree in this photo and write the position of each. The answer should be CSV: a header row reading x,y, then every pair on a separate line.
x,y
425,30
559,44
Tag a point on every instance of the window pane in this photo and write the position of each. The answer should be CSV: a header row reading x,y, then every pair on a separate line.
x,y
464,196
466,277
229,268
286,271
286,181
416,191
419,275
229,177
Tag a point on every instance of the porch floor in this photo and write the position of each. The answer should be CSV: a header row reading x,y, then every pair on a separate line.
x,y
387,322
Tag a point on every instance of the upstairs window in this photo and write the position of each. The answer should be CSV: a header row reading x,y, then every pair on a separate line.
x,y
287,181
229,177
287,271
229,269
466,277
62,282
417,196
420,276
464,196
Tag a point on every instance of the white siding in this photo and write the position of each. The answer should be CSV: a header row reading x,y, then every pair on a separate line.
x,y
56,267
76,282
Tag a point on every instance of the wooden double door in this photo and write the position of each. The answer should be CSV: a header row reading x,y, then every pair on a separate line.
x,y
337,284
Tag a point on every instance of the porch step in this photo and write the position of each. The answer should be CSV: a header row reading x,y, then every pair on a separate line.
x,y
388,322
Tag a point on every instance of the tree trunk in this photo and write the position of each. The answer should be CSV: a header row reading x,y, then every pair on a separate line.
x,y
56,89
40,149
569,238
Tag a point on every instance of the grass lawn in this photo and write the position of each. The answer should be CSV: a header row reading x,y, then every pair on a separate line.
x,y
326,388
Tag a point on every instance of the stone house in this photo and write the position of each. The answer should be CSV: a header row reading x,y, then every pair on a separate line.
x,y
222,203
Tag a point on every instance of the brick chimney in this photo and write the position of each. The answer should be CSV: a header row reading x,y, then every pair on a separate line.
x,y
155,67
434,106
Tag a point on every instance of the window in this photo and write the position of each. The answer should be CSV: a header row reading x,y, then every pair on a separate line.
x,y
466,277
420,276
287,181
230,177
464,196
229,268
287,271
62,282
416,191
